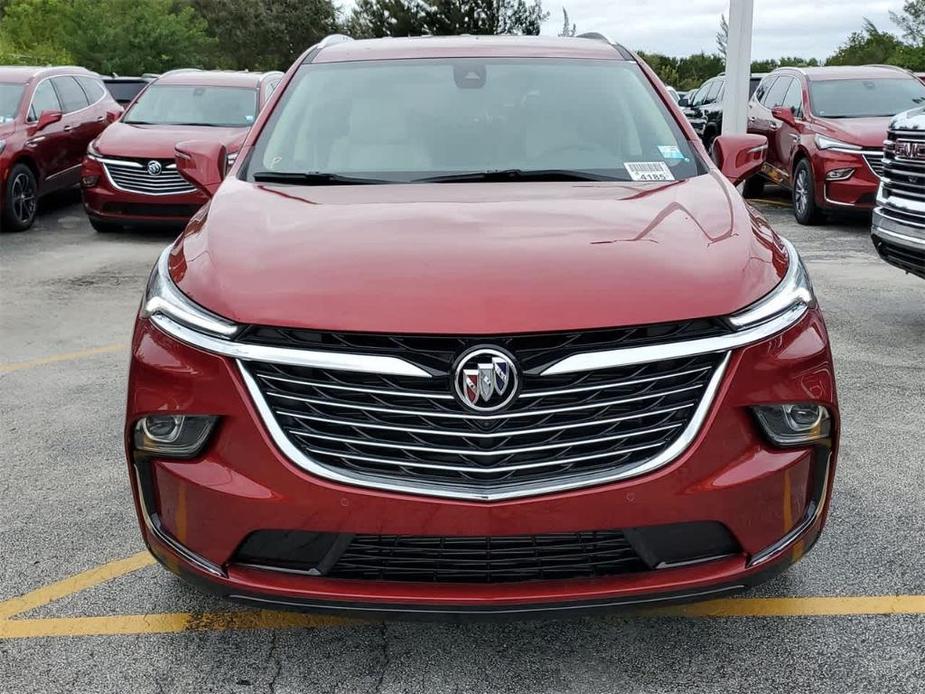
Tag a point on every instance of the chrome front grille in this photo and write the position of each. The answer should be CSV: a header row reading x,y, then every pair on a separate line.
x,y
133,176
875,162
413,433
903,178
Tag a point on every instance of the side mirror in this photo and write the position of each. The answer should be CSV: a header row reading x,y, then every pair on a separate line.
x,y
740,156
203,163
46,118
785,115
684,102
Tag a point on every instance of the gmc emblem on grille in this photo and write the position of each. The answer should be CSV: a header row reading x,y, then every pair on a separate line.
x,y
485,379
909,150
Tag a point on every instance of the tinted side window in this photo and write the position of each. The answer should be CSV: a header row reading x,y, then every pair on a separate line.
x,y
776,94
72,96
794,97
44,99
764,88
714,92
92,87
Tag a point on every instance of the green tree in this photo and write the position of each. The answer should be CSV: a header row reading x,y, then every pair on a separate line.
x,y
569,28
121,36
911,19
374,18
266,34
722,36
868,46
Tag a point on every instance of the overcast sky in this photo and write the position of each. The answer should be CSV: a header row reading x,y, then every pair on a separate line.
x,y
680,27
807,28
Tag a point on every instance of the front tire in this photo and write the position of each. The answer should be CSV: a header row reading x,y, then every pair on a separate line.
x,y
20,199
805,209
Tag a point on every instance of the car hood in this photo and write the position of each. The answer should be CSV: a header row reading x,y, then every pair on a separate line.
x,y
477,258
159,141
864,132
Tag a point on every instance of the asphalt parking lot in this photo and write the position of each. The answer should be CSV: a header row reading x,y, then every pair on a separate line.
x,y
84,609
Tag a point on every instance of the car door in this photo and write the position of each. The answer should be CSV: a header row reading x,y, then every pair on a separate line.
x,y
75,106
759,121
777,166
787,137
47,147
102,110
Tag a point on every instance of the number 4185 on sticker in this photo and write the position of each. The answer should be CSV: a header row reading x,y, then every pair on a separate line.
x,y
648,171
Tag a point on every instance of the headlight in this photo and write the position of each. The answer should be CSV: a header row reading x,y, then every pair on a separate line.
x,y
93,152
2,145
231,158
823,142
173,436
794,424
795,292
162,298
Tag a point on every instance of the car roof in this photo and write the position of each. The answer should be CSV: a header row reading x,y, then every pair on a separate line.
x,y
468,47
25,73
215,78
849,72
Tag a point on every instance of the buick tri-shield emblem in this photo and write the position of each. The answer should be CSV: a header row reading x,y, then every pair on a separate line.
x,y
485,379
154,168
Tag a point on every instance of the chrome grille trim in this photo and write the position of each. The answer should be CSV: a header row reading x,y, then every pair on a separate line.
x,y
493,453
457,490
133,177
355,389
490,471
874,162
489,417
478,435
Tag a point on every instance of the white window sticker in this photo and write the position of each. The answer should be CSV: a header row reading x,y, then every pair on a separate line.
x,y
649,171
671,152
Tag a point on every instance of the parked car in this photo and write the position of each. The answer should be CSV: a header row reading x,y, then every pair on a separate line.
x,y
400,362
899,217
47,117
825,128
124,89
705,111
674,94
129,175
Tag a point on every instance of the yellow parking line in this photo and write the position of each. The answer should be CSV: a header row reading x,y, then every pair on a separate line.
x,y
74,584
56,358
799,607
775,203
168,623
178,622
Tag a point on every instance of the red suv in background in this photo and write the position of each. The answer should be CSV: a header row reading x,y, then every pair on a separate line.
x,y
129,175
474,325
47,117
825,128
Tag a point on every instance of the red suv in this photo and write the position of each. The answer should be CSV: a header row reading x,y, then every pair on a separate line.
x,y
825,128
47,117
473,325
129,175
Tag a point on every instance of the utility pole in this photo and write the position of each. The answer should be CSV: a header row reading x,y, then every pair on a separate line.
x,y
738,66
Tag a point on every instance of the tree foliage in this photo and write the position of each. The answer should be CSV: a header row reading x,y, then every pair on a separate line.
x,y
722,36
374,18
121,36
569,28
870,46
265,34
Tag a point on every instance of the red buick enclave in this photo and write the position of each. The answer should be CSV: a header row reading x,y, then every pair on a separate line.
x,y
474,326
47,117
129,175
825,128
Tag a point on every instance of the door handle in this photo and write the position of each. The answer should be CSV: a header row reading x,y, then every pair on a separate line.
x,y
100,119
795,138
68,128
775,126
752,119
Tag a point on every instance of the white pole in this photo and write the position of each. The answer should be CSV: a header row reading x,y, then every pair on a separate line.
x,y
738,66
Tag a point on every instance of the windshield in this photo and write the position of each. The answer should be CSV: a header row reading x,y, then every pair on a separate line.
x,y
412,120
124,91
176,104
865,98
10,96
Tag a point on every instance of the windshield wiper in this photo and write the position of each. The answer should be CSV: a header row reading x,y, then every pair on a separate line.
x,y
503,175
314,179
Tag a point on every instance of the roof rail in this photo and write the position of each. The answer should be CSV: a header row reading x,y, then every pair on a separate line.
x,y
181,69
333,39
595,36
891,67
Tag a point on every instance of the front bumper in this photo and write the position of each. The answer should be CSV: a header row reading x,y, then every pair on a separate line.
x,y
195,515
859,192
105,202
899,237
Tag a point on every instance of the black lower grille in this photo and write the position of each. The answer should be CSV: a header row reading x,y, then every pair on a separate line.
x,y
908,259
150,209
487,559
